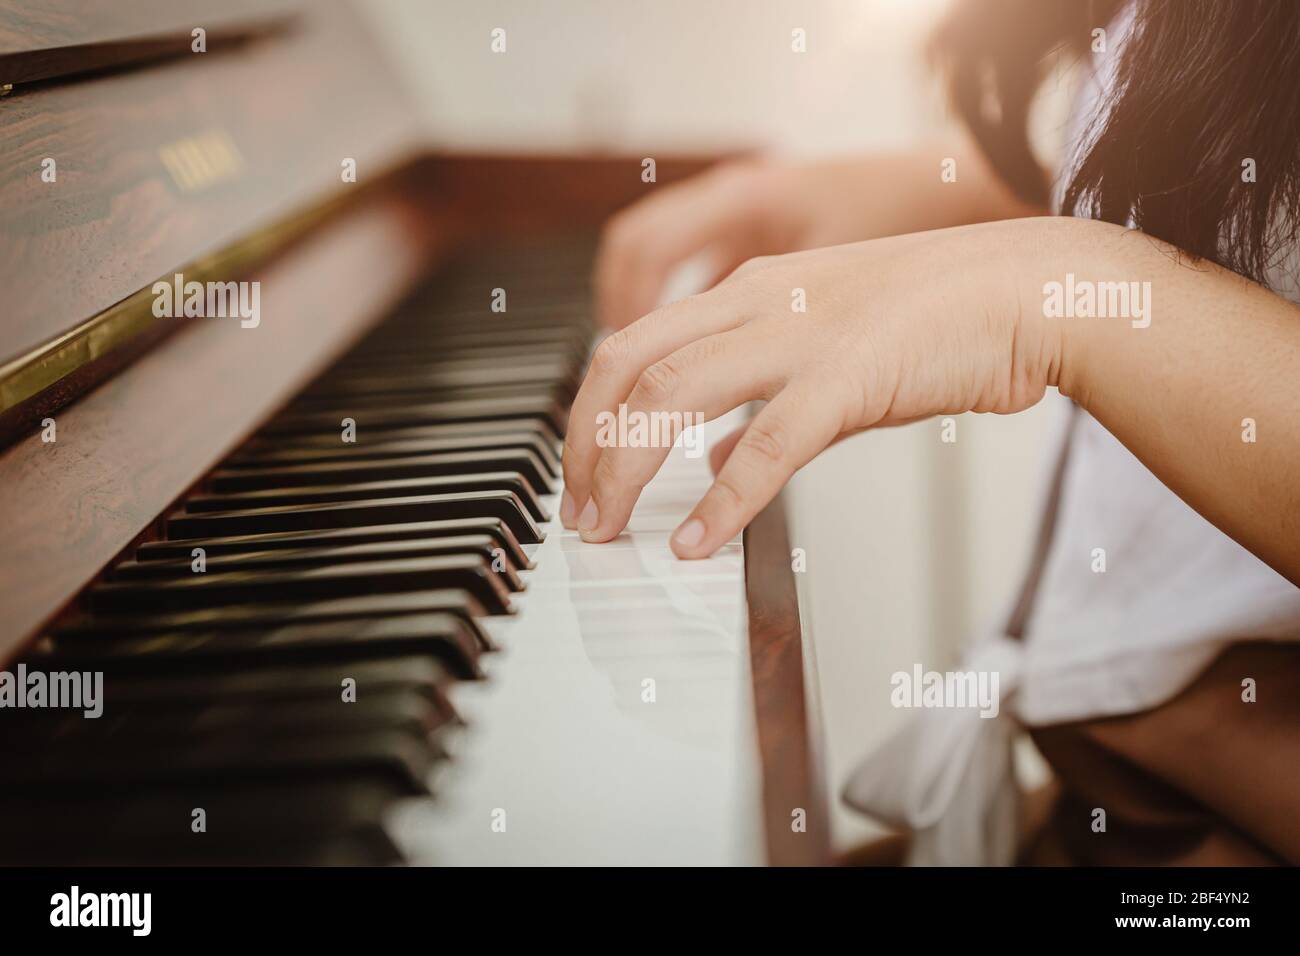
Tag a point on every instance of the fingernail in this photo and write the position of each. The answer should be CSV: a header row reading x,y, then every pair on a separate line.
x,y
589,518
690,534
568,509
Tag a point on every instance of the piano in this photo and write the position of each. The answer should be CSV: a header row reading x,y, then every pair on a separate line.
x,y
311,550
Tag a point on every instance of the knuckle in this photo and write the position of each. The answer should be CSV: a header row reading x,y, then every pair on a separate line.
x,y
612,354
764,441
603,475
657,384
727,495
571,457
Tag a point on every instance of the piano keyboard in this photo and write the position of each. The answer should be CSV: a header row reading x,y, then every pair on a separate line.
x,y
393,652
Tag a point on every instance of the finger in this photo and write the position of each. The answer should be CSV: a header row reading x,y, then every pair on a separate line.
x,y
615,367
793,427
697,383
725,445
645,243
723,448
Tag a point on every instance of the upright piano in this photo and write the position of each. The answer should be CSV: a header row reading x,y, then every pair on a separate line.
x,y
310,549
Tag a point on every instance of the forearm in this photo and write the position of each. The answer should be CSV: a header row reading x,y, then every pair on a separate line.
x,y
936,185
1207,395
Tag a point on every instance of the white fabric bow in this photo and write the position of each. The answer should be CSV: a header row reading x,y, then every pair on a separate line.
x,y
947,776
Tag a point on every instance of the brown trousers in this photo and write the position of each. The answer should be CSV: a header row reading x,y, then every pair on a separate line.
x,y
1205,779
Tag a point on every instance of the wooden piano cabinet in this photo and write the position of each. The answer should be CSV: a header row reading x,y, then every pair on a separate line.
x,y
796,818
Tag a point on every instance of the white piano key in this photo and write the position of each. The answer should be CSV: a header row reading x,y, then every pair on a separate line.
x,y
560,737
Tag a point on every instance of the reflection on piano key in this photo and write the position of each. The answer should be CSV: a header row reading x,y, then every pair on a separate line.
x,y
589,762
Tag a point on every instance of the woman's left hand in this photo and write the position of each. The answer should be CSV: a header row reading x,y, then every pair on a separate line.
x,y
893,330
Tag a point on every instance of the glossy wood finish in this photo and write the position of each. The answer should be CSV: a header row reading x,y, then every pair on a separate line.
x,y
491,195
292,106
60,38
788,733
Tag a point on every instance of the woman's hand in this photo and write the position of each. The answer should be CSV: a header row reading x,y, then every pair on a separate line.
x,y
894,330
761,207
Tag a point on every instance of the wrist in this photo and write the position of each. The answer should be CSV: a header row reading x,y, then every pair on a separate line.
x,y
1073,295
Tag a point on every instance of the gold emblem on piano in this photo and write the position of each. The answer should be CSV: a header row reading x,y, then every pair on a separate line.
x,y
202,160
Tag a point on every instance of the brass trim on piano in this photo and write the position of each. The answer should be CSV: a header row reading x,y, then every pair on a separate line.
x,y
25,377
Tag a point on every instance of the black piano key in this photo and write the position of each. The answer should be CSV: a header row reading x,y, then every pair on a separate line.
x,y
441,636
544,410
155,724
362,406
459,604
469,573
227,481
323,820
407,364
426,432
366,490
389,754
292,455
494,528
289,558
467,338
503,505
564,306
445,375
425,676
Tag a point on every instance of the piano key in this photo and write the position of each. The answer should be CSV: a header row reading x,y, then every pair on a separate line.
x,y
469,573
408,364
568,306
361,404
262,821
99,626
275,456
441,636
160,724
503,505
427,432
366,490
226,481
466,373
545,410
285,559
450,342
420,675
389,754
494,528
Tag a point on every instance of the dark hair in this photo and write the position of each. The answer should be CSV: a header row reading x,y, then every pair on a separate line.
x,y
1200,87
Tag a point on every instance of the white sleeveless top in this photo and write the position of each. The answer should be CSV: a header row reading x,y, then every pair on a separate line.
x,y
1175,593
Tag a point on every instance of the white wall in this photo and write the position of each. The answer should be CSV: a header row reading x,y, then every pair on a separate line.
x,y
913,545
659,74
